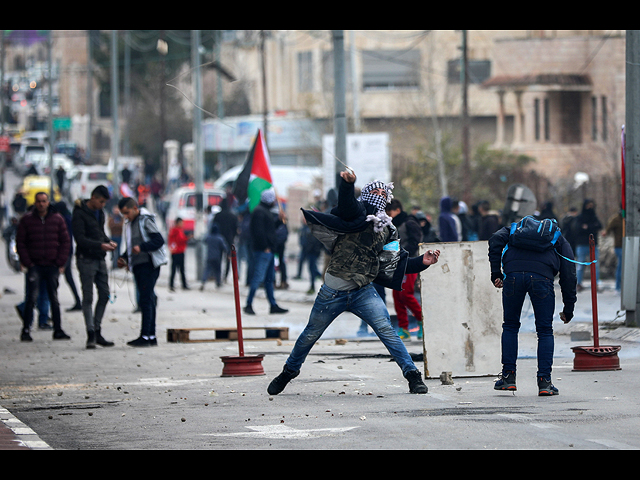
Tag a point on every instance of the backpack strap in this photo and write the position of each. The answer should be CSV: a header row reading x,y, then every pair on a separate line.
x,y
504,250
575,261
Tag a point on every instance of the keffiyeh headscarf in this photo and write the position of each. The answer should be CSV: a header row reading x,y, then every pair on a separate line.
x,y
380,219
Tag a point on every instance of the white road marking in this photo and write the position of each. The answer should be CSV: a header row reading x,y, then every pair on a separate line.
x,y
284,432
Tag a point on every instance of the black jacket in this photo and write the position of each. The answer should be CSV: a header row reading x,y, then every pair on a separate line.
x,y
88,231
547,263
350,216
263,228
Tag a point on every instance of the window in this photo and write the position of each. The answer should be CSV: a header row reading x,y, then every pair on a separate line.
x,y
390,69
536,110
478,71
547,129
305,71
604,118
594,118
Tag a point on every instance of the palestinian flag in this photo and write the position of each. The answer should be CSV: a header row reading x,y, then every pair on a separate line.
x,y
255,177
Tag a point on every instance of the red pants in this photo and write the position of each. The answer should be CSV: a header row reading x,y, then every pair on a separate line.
x,y
406,300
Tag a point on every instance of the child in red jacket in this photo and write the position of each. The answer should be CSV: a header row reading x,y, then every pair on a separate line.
x,y
177,246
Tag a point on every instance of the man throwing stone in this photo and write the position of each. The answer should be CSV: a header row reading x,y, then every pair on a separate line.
x,y
364,248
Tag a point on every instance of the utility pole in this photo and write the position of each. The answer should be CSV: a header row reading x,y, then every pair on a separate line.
x,y
355,91
631,241
464,80
198,160
2,101
339,100
115,137
265,107
50,120
89,93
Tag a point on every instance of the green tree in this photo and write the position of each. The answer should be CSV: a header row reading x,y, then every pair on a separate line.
x,y
492,172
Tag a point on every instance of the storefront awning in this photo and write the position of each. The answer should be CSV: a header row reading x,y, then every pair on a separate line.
x,y
542,81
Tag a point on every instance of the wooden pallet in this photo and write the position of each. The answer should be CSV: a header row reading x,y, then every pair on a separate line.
x,y
181,335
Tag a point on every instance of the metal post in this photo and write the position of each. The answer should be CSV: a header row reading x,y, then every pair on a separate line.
x,y
339,100
50,120
464,77
2,101
115,138
200,227
631,241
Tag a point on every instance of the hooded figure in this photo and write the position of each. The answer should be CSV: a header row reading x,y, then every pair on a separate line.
x,y
448,221
585,224
263,242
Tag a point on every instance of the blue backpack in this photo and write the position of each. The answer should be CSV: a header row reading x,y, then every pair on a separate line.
x,y
533,234
537,235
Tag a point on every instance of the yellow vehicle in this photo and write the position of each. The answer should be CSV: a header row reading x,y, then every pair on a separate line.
x,y
33,184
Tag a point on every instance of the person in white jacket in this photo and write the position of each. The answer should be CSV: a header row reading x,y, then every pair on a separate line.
x,y
144,255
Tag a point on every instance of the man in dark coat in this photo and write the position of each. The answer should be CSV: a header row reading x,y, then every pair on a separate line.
x,y
227,222
519,272
43,245
585,224
263,243
93,244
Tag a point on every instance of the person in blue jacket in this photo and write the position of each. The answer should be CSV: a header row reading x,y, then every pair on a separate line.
x,y
519,272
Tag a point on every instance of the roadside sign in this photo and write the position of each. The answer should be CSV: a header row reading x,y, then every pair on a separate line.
x,y
62,123
4,143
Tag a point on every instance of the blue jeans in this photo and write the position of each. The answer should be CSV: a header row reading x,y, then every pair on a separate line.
x,y
364,303
42,303
582,255
264,271
542,295
36,276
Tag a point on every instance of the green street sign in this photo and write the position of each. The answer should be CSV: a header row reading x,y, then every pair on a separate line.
x,y
62,123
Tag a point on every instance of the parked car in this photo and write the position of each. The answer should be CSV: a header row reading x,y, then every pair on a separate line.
x,y
21,159
41,162
183,204
86,178
32,184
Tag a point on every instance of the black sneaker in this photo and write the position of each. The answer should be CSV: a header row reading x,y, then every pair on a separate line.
x,y
248,310
281,381
416,385
60,335
277,309
506,381
546,388
25,336
91,340
101,341
139,342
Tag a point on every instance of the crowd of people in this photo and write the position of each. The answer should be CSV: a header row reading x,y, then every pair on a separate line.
x,y
357,234
46,235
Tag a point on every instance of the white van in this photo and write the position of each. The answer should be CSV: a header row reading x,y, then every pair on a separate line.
x,y
86,178
283,177
183,205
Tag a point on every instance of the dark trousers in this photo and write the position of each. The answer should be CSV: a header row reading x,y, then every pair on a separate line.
x,y
93,271
177,263
146,276
540,290
49,275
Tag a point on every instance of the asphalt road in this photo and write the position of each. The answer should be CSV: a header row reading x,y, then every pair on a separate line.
x,y
349,395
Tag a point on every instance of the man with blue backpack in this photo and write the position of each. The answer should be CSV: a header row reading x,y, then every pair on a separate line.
x,y
524,259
